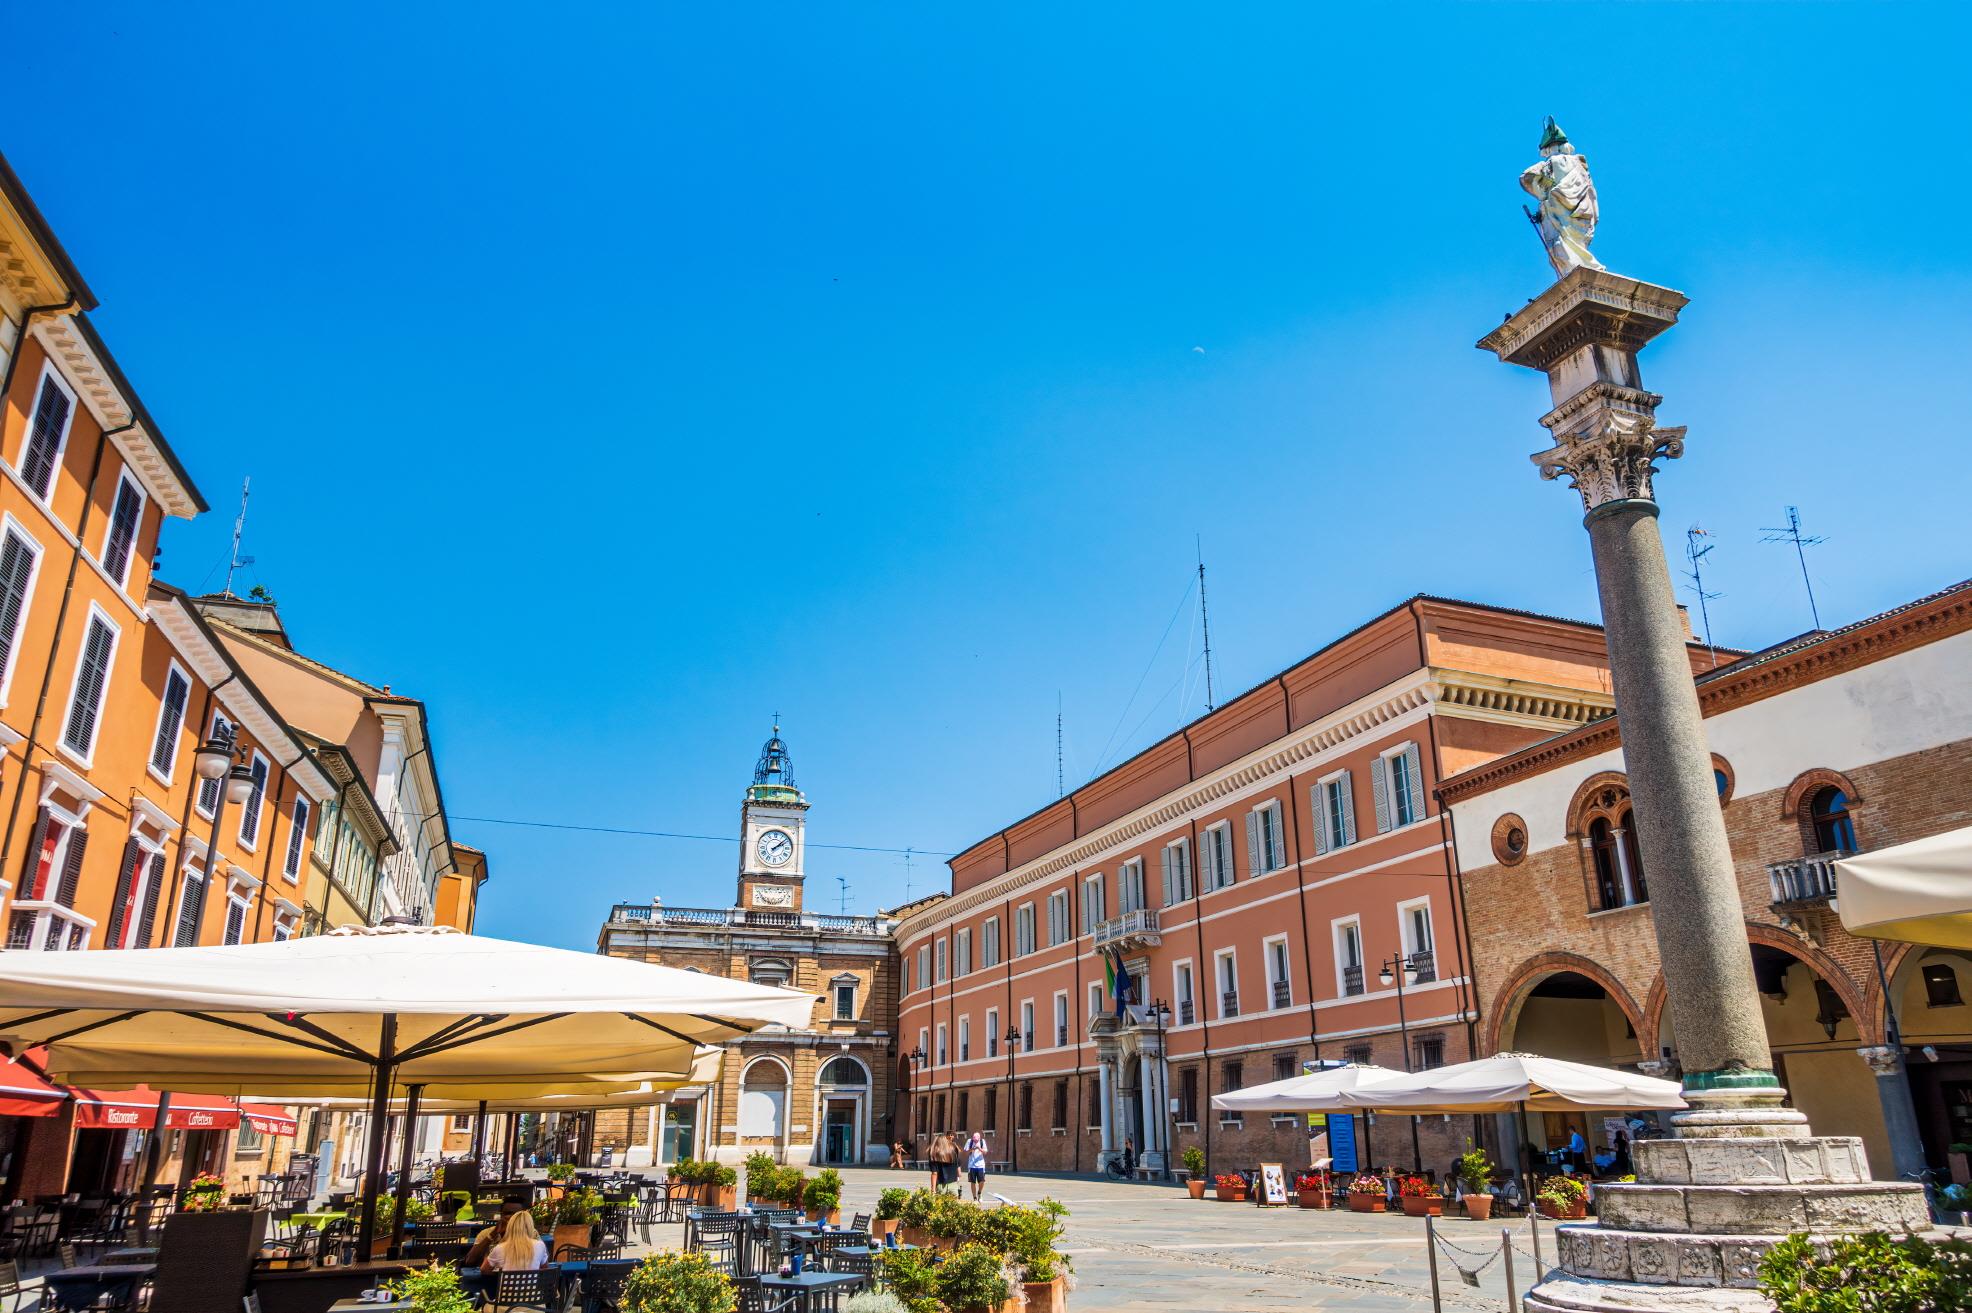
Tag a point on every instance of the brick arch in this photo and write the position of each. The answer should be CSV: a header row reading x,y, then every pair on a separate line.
x,y
1512,996
1653,1017
1868,1024
1584,797
1810,782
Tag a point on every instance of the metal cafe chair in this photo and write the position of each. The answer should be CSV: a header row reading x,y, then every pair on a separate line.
x,y
534,1291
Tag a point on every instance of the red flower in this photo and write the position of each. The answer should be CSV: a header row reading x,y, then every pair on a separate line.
x,y
1310,1181
1415,1187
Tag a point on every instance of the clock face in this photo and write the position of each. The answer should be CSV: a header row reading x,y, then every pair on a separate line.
x,y
775,848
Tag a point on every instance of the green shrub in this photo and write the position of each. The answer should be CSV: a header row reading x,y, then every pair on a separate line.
x,y
890,1203
973,1277
1867,1274
793,1183
415,1210
917,1209
760,1169
678,1283
912,1276
1475,1169
1194,1161
433,1290
561,1172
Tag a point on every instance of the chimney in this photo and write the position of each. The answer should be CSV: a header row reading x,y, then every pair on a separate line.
x,y
1684,618
257,618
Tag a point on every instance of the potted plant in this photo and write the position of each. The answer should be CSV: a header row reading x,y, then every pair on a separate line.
x,y
206,1194
673,1282
559,1175
1229,1187
791,1183
571,1220
1367,1194
389,1223
873,1301
915,1216
973,1280
1563,1198
1029,1236
1194,1161
722,1183
953,1221
1420,1197
433,1290
1475,1174
823,1197
889,1212
1311,1188
760,1169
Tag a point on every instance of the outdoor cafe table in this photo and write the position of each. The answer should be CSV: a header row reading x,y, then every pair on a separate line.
x,y
81,1287
316,1221
812,1290
129,1254
358,1306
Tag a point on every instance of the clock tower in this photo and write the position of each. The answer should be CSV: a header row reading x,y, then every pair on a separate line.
x,y
772,843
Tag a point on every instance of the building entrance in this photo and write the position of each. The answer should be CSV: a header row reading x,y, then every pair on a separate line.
x,y
839,1145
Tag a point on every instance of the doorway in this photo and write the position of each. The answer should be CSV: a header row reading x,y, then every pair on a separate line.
x,y
680,1132
839,1131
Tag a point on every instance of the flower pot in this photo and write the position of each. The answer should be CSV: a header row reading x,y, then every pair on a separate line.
x,y
1424,1205
834,1217
1196,1189
1574,1212
881,1227
1479,1207
1317,1198
724,1197
915,1235
576,1234
1229,1194
1367,1203
1047,1296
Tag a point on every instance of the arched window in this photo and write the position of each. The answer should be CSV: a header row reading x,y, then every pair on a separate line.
x,y
1834,830
763,1099
1608,866
1633,859
841,1073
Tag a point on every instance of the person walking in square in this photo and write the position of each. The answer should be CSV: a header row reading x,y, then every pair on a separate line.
x,y
944,1156
975,1164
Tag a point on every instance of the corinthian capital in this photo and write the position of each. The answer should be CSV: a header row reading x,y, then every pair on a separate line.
x,y
1882,1058
1610,453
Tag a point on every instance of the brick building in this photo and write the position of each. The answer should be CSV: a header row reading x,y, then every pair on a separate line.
x,y
819,1094
1256,871
1833,742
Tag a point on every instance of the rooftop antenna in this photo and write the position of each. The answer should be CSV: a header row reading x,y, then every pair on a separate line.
x,y
235,561
1696,555
1204,621
1792,534
842,905
907,875
1060,781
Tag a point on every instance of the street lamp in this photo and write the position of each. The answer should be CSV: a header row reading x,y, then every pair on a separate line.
x,y
1160,1011
1015,1038
1403,970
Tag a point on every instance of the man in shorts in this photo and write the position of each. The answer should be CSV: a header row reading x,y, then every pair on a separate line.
x,y
975,1164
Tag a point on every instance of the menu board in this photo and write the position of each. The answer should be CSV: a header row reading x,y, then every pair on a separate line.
x,y
1273,1184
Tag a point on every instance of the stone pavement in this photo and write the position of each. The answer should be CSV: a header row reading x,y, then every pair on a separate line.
x,y
1151,1247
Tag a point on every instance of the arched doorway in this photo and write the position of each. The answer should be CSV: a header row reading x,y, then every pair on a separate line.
x,y
763,1105
1933,992
842,1091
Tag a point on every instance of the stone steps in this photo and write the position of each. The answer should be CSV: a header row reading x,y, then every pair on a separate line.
x,y
1584,1295
1895,1207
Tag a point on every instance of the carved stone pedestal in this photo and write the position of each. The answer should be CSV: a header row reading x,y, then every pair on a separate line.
x,y
1691,1232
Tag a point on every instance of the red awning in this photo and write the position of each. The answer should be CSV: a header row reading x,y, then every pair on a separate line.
x,y
25,1093
269,1118
124,1110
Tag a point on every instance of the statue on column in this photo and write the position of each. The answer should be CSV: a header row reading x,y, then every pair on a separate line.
x,y
1561,183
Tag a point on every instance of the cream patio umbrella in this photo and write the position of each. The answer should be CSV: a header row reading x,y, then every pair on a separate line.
x,y
1315,1091
410,1006
1918,892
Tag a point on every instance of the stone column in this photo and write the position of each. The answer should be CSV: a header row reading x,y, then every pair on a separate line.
x,y
1744,1170
1886,1063
1108,1108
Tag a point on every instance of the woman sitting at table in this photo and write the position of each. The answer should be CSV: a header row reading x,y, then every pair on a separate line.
x,y
520,1248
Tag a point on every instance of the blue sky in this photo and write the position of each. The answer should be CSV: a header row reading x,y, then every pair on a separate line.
x,y
615,376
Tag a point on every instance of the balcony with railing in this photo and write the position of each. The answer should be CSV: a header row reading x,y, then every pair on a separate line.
x,y
1187,1014
1282,994
1229,1003
656,915
1424,966
1802,880
1352,980
1136,929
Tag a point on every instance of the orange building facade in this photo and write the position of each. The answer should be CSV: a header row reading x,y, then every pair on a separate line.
x,y
110,680
1253,873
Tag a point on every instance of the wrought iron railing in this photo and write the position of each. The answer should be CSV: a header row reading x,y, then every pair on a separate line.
x,y
1229,1003
1352,980
1425,963
1281,994
818,922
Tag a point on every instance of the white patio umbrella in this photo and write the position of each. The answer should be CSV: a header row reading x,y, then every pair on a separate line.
x,y
1315,1091
1507,1082
1917,893
410,1006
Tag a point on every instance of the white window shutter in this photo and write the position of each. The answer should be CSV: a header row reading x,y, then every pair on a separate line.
x,y
1320,813
1253,842
1168,891
1379,787
1412,755
1348,810
1276,839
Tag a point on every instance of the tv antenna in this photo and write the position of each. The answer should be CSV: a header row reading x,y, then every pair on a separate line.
x,y
234,560
842,904
1060,780
1204,621
1792,534
907,875
1696,556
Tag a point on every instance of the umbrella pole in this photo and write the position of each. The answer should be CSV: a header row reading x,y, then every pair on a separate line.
x,y
479,1136
415,1096
373,1152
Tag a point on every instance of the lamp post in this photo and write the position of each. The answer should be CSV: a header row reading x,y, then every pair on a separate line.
x,y
1403,970
1015,1038
917,1057
1160,1011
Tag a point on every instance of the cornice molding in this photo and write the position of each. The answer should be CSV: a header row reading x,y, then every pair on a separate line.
x,y
139,447
1453,693
1752,680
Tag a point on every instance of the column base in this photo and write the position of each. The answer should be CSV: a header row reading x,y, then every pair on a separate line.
x,y
1729,1113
